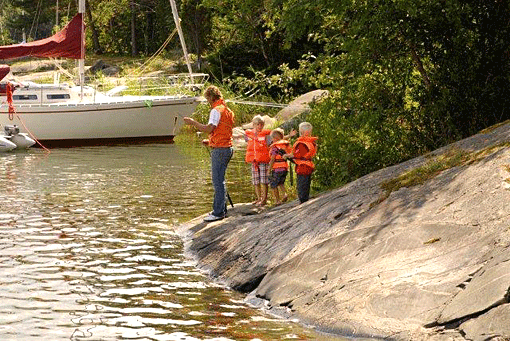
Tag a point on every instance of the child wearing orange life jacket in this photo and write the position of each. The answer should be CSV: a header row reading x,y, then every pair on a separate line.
x,y
278,166
303,150
257,153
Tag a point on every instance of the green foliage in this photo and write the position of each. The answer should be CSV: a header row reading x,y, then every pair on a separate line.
x,y
404,77
5,37
358,140
114,19
197,23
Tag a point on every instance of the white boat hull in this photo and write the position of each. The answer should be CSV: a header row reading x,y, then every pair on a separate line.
x,y
125,120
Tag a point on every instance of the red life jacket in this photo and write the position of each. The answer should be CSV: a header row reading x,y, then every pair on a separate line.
x,y
304,150
221,136
279,161
257,150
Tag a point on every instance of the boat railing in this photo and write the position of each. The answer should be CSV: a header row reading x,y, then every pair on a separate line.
x,y
113,101
110,89
153,85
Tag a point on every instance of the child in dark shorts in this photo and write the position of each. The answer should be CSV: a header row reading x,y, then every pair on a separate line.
x,y
303,150
278,166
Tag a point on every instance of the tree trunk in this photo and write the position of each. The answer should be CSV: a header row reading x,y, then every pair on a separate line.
x,y
134,49
196,34
95,36
263,50
416,58
419,65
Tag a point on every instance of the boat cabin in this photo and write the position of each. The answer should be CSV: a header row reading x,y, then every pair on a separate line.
x,y
33,93
36,94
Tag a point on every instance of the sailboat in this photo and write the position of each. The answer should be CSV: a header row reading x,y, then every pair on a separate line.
x,y
64,115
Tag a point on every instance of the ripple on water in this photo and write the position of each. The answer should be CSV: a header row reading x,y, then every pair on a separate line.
x,y
87,250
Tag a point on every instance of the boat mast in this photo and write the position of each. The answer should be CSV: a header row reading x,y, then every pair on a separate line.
x,y
181,37
56,16
81,61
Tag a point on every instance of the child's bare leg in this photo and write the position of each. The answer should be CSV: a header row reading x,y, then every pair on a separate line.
x,y
257,193
263,194
283,191
276,195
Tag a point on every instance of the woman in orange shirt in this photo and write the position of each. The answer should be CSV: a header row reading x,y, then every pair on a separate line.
x,y
219,128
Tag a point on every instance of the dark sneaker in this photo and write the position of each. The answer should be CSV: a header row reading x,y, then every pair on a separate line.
x,y
212,217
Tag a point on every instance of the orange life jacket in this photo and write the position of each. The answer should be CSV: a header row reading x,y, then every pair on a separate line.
x,y
279,161
257,150
304,164
221,136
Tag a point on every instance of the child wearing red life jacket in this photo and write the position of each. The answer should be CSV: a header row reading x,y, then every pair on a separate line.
x,y
303,150
278,166
257,153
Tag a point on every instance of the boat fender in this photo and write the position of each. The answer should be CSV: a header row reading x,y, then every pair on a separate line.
x,y
22,141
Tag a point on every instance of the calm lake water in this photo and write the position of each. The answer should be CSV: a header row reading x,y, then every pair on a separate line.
x,y
88,251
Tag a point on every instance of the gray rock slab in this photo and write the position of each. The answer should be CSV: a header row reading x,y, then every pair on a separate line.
x,y
489,288
300,105
413,266
494,325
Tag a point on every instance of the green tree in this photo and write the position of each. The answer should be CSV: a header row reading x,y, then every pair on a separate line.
x,y
94,34
243,40
405,76
197,23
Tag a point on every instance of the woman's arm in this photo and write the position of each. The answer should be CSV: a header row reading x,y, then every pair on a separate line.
x,y
201,127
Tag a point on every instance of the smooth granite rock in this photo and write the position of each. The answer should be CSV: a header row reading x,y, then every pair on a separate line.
x,y
429,262
490,326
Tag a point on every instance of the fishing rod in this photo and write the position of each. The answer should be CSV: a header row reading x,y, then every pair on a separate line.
x,y
226,191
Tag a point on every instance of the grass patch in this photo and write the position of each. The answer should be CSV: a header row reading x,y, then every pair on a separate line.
x,y
491,128
454,157
507,168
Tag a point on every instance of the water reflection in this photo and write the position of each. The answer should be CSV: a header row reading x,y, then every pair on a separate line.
x,y
87,250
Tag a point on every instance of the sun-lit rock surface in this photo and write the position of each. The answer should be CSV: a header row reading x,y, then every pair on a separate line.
x,y
429,262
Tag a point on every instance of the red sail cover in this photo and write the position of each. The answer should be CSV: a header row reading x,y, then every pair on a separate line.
x,y
4,70
65,43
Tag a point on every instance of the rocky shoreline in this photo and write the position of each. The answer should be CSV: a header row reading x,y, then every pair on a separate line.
x,y
424,262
